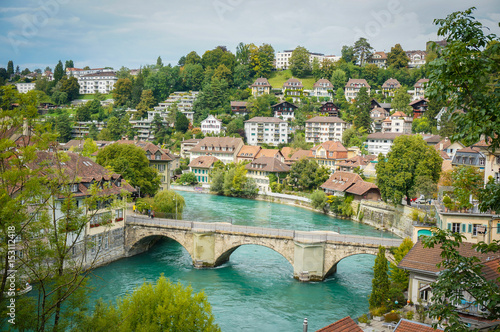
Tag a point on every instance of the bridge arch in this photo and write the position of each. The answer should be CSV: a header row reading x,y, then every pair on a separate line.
x,y
142,239
224,256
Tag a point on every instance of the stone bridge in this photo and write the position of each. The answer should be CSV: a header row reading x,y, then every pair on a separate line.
x,y
313,255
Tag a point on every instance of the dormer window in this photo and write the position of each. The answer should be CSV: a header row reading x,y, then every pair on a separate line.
x,y
74,187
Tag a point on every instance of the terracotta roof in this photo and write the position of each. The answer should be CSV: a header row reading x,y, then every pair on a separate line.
x,y
444,155
362,187
356,161
425,259
265,119
418,101
390,136
249,151
490,270
239,103
330,146
287,152
267,164
383,55
445,144
300,154
263,82
399,113
391,81
469,149
357,81
326,119
410,326
224,142
341,181
420,82
203,162
322,80
151,148
269,153
345,324
293,80
432,139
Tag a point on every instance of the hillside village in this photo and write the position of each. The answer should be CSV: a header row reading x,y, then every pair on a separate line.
x,y
293,122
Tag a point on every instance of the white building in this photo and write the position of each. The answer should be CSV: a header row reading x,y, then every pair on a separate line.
x,y
183,100
259,169
353,86
77,72
102,82
25,87
397,123
322,88
223,148
145,131
325,128
380,142
269,130
282,58
211,125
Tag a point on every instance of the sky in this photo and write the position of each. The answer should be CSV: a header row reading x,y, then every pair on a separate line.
x,y
132,33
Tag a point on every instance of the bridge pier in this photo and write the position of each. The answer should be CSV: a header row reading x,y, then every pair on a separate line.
x,y
204,250
308,261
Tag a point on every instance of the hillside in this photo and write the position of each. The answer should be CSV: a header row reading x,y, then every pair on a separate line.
x,y
279,77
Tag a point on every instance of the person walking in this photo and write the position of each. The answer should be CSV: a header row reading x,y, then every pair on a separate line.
x,y
152,214
133,208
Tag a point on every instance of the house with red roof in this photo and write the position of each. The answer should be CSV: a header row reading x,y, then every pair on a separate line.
x,y
328,154
353,86
260,169
346,183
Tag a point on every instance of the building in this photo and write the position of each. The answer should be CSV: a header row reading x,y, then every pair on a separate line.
x,y
211,125
239,107
379,59
358,161
272,153
282,59
419,88
378,115
269,130
469,156
328,154
77,72
81,129
323,88
342,183
260,169
183,100
102,82
223,148
419,107
202,167
328,108
187,145
248,153
25,87
260,87
390,86
293,88
380,142
292,155
145,129
492,164
416,58
397,123
321,129
448,147
353,86
405,325
284,110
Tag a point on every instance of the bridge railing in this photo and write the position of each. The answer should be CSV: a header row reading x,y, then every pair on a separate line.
x,y
318,236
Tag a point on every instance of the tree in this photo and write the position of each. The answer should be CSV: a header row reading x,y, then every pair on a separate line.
x,y
243,53
169,202
188,178
10,68
339,79
163,306
399,276
299,62
115,128
362,50
192,58
467,181
380,281
192,76
261,60
231,180
318,200
122,92
401,101
159,63
460,275
58,71
89,147
71,87
130,161
465,74
306,174
348,54
362,118
69,64
397,57
63,127
409,158
181,122
421,125
146,104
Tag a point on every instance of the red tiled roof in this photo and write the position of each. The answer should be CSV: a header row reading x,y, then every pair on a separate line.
x,y
359,82
322,80
420,82
264,82
361,188
341,181
268,153
268,164
249,151
391,81
221,142
151,148
297,155
345,324
410,326
239,103
356,161
293,80
203,162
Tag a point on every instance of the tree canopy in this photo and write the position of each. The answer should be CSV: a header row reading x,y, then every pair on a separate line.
x,y
299,62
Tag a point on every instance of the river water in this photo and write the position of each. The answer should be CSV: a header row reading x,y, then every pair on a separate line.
x,y
255,290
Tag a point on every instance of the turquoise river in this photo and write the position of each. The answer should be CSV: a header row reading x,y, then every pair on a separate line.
x,y
255,290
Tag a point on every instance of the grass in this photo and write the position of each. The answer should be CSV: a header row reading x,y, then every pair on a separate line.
x,y
279,77
92,96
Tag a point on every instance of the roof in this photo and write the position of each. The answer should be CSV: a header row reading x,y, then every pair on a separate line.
x,y
345,324
151,148
330,146
322,81
192,140
107,73
425,259
268,164
490,270
469,149
423,100
203,162
399,113
383,55
341,181
284,102
258,119
389,136
249,151
420,83
268,153
261,81
287,152
357,81
411,326
361,188
326,119
226,142
293,80
391,81
297,155
356,161
239,103
434,139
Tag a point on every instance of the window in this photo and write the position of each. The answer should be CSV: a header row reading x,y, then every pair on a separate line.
x,y
424,295
455,227
474,229
74,187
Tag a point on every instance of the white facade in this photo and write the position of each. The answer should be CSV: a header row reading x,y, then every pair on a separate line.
x,y
101,82
211,125
77,72
324,128
269,130
282,58
380,143
25,87
397,123
182,99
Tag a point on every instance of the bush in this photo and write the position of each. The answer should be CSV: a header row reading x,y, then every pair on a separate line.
x,y
409,315
396,295
414,215
392,317
364,319
379,311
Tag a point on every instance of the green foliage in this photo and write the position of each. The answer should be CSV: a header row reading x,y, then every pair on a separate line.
x,y
362,118
339,79
122,92
398,276
181,122
410,314
231,180
410,158
489,197
362,50
318,200
392,317
380,282
467,181
401,101
169,202
299,62
364,319
162,306
58,71
421,125
146,103
307,175
130,161
397,58
348,54
188,178
341,205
